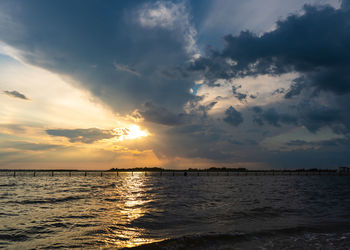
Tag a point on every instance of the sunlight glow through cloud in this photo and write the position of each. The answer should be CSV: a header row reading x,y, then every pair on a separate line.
x,y
130,133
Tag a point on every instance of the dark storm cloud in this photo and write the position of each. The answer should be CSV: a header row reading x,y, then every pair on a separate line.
x,y
296,88
203,109
174,73
257,109
126,69
106,47
272,117
158,114
88,136
233,117
197,140
161,115
240,96
310,114
279,91
325,143
315,117
297,143
253,96
314,44
15,94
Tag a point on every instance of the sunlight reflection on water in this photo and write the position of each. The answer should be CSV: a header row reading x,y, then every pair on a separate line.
x,y
134,197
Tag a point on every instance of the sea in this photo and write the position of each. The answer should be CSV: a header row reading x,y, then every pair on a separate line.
x,y
153,211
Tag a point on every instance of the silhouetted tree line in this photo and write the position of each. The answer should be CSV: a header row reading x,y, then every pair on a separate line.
x,y
150,169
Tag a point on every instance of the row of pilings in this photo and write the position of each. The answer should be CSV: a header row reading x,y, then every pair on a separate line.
x,y
53,173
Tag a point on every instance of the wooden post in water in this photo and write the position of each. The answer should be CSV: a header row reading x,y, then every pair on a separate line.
x,y
85,173
132,173
70,173
117,173
14,173
51,173
34,173
101,174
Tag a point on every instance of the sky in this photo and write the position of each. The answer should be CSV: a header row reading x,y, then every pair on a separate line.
x,y
174,84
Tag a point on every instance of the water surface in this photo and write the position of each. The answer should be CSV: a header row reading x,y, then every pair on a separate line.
x,y
207,212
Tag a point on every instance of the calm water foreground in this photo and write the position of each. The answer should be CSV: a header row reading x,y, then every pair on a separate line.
x,y
175,212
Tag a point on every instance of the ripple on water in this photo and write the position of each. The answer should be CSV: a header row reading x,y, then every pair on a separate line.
x,y
67,212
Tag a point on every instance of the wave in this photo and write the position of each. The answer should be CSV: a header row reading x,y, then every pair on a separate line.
x,y
13,237
112,185
50,200
270,212
8,185
7,214
77,217
298,238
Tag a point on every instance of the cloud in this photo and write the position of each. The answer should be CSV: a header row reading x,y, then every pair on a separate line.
x,y
323,143
297,143
272,117
240,96
278,91
161,115
247,15
161,14
171,16
233,117
315,117
296,88
192,140
299,43
88,136
126,69
122,40
13,128
16,94
22,145
140,52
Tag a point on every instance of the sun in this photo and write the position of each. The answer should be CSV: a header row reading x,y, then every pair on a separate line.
x,y
131,132
135,132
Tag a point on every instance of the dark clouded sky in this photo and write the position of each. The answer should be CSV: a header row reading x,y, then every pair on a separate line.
x,y
175,83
